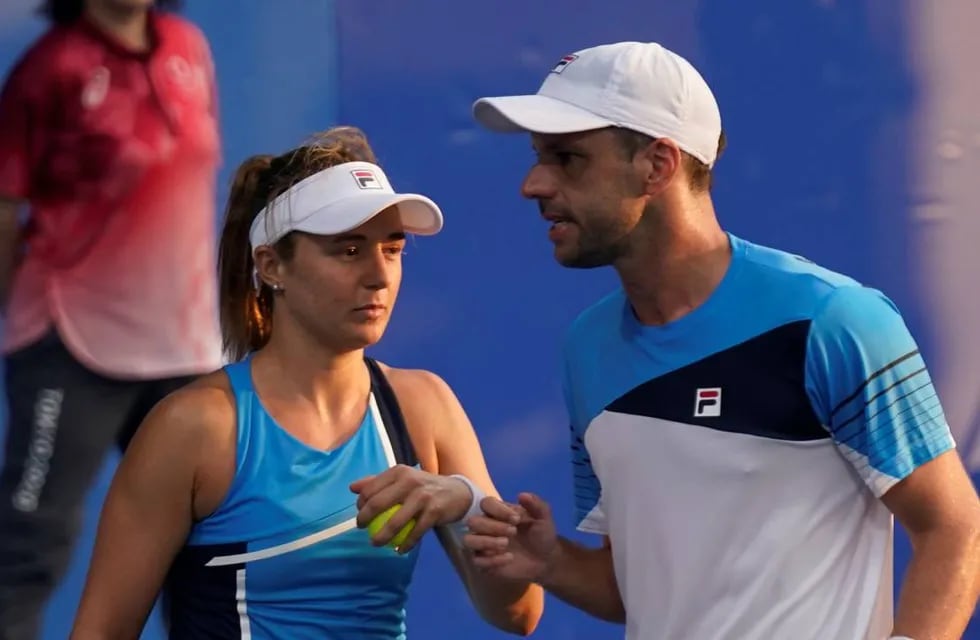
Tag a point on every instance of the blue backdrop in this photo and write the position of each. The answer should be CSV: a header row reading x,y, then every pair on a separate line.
x,y
845,144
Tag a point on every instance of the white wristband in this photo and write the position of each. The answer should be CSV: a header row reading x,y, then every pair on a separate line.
x,y
899,638
475,509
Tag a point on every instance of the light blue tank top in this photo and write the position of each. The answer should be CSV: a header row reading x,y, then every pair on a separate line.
x,y
281,557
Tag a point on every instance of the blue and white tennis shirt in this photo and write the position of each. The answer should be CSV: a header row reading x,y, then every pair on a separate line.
x,y
736,457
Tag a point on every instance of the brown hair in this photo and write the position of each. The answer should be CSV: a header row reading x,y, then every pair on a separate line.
x,y
699,172
246,314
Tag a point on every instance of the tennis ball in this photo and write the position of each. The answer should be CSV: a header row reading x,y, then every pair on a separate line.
x,y
379,521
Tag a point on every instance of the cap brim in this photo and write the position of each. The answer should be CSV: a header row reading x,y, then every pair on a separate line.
x,y
420,215
535,114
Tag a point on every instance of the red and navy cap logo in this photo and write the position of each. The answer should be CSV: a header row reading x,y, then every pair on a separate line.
x,y
366,179
564,62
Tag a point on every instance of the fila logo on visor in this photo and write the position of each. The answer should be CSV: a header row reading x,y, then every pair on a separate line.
x,y
564,62
366,179
707,403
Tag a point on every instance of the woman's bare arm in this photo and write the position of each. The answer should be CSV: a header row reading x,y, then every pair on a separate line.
x,y
430,404
148,513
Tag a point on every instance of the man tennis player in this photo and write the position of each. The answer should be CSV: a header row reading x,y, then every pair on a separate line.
x,y
744,423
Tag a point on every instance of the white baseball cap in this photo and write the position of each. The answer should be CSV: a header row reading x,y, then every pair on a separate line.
x,y
339,199
640,86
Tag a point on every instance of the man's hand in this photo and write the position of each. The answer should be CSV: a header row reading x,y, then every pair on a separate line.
x,y
432,500
517,542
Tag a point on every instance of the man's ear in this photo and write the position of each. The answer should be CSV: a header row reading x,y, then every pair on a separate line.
x,y
660,162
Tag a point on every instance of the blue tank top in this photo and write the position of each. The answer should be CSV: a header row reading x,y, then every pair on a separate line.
x,y
281,556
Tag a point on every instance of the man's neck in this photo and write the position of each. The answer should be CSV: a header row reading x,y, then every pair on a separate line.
x,y
675,268
128,26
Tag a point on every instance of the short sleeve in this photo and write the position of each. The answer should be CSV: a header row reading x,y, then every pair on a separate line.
x,y
871,388
587,491
21,105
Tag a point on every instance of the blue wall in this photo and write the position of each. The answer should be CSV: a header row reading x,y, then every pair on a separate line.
x,y
823,111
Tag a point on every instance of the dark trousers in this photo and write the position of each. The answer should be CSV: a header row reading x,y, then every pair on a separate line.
x,y
63,420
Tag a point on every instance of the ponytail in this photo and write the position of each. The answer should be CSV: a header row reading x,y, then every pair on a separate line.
x,y
246,314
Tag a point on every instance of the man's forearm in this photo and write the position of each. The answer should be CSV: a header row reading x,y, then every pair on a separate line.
x,y
941,586
584,578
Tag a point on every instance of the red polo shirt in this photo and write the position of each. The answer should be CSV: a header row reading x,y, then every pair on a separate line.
x,y
116,152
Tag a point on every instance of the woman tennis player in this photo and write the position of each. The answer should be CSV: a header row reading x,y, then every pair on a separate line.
x,y
246,493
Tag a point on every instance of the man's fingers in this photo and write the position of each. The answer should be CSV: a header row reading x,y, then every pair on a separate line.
x,y
483,525
491,562
536,508
525,517
500,510
485,544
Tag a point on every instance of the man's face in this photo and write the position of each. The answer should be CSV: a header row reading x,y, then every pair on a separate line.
x,y
590,191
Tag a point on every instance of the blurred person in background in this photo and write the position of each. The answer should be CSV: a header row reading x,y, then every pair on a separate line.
x,y
244,494
109,143
744,423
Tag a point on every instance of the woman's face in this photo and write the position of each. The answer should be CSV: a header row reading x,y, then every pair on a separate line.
x,y
341,289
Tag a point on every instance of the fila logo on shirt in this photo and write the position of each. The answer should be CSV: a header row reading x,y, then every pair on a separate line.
x,y
564,62
707,403
366,179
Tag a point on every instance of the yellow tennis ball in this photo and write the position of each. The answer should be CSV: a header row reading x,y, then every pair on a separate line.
x,y
382,518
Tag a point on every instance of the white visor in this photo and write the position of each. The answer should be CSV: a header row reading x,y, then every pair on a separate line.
x,y
339,199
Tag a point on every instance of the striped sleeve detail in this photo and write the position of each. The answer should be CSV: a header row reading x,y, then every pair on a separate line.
x,y
587,490
871,387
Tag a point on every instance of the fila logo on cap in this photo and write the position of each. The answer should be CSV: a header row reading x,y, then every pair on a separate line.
x,y
366,179
707,403
564,62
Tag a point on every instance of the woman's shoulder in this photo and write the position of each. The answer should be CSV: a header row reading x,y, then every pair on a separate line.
x,y
428,402
417,385
201,410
